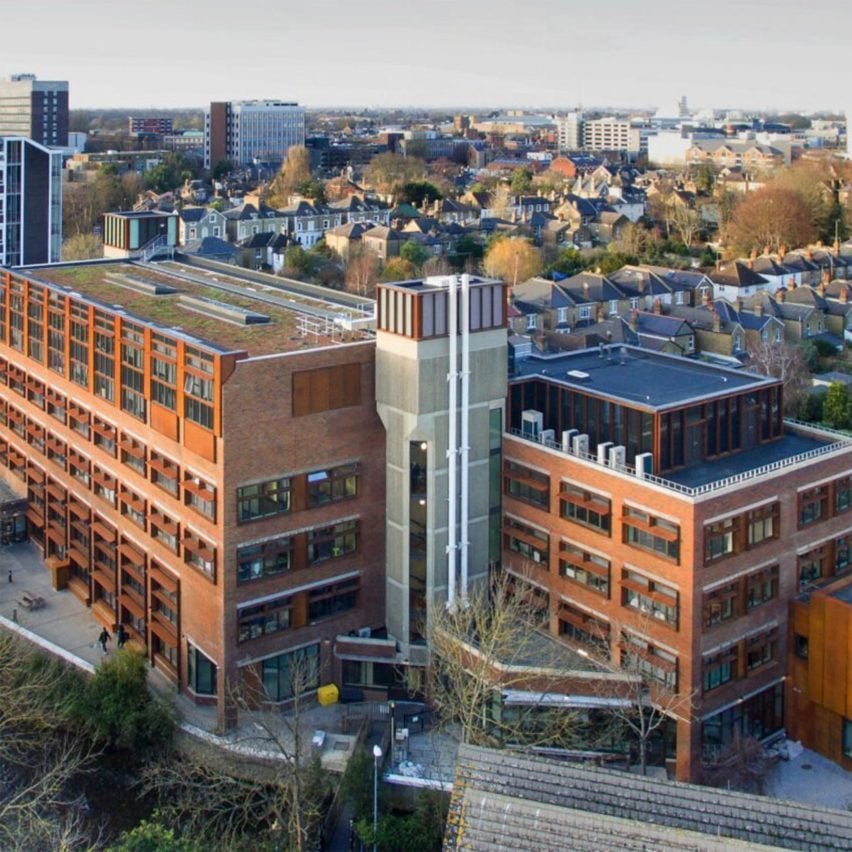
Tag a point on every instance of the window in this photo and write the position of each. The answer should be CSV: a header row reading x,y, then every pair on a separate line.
x,y
532,322
719,669
800,646
164,473
79,349
164,529
133,507
293,673
583,627
647,532
527,541
133,454
333,541
649,597
104,386
200,496
812,566
761,587
133,369
105,436
760,650
813,505
198,387
641,656
263,499
721,539
104,485
328,486
721,604
201,674
843,495
330,600
584,507
847,738
199,554
613,307
264,619
255,561
164,371
584,568
763,524
585,312
524,483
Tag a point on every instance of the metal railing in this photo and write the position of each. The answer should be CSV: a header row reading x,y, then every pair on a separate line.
x,y
715,485
156,246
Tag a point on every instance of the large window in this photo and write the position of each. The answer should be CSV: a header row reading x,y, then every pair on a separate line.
x,y
164,371
333,541
201,672
104,356
198,387
584,568
642,656
264,618
761,587
721,539
761,650
527,541
583,627
585,507
649,597
330,600
812,565
263,499
648,532
255,561
719,669
337,483
813,505
721,604
133,369
763,524
524,483
293,673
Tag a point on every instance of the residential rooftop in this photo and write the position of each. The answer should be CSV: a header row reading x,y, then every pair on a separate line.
x,y
639,378
223,308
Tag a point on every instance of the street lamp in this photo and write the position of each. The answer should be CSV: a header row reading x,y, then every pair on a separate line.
x,y
377,756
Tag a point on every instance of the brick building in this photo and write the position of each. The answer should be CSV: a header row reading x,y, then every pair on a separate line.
x,y
668,514
199,467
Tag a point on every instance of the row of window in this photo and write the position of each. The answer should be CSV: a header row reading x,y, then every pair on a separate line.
x,y
197,493
739,660
294,493
256,561
742,532
297,610
106,358
740,596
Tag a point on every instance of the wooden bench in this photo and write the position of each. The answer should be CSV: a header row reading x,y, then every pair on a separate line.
x,y
30,600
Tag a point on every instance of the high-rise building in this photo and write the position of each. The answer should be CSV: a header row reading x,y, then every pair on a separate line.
x,y
570,131
152,125
34,108
244,132
611,134
30,202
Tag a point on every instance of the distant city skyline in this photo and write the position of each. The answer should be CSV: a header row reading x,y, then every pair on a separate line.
x,y
750,54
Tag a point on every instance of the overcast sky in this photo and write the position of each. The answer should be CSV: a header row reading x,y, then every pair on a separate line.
x,y
167,53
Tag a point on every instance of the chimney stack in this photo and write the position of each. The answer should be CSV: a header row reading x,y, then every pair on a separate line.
x,y
658,306
782,250
717,320
791,284
781,295
634,319
758,308
844,295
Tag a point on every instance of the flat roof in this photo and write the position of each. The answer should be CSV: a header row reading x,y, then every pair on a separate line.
x,y
206,306
637,377
434,283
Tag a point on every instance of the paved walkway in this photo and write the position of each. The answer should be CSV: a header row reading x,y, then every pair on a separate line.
x,y
65,627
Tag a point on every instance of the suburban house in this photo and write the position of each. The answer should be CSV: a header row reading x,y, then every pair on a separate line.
x,y
196,223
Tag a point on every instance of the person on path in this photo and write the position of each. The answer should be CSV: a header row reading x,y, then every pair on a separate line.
x,y
121,636
103,639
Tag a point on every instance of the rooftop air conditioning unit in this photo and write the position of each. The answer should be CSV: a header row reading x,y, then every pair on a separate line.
x,y
617,457
364,632
644,465
532,422
568,438
547,436
581,444
603,451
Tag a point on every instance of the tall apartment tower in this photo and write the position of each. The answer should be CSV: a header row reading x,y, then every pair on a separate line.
x,y
34,108
441,374
30,202
248,131
570,132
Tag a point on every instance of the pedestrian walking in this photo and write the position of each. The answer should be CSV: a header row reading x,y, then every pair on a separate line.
x,y
103,639
10,575
121,636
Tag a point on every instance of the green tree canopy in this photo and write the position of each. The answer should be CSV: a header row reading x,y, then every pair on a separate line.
x,y
414,253
835,407
417,191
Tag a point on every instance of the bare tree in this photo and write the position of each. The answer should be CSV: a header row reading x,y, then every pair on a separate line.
x,y
685,221
490,643
231,802
782,361
743,765
362,271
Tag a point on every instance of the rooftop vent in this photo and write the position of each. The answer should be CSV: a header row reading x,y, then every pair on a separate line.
x,y
578,375
140,285
222,310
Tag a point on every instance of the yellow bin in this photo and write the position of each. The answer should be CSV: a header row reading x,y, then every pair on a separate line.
x,y
328,694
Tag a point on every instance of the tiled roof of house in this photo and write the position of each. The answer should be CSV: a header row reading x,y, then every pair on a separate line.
x,y
503,800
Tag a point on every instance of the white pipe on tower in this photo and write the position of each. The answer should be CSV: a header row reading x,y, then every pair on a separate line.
x,y
465,431
452,449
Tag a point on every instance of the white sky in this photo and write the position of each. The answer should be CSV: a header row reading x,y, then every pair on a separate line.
x,y
146,53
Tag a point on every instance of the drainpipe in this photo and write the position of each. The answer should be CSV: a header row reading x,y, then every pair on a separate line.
x,y
452,449
465,431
